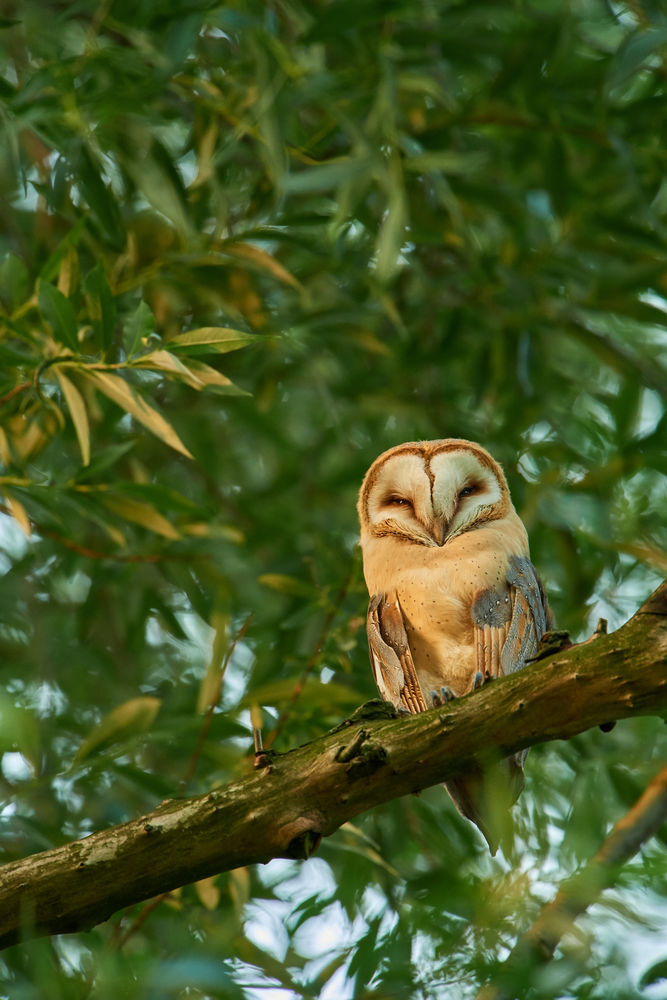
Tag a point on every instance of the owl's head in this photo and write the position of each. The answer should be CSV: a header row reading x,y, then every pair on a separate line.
x,y
430,491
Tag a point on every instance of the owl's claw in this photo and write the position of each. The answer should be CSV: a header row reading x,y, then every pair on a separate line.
x,y
479,679
446,694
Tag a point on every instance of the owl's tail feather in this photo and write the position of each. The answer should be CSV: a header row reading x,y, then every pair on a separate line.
x,y
486,796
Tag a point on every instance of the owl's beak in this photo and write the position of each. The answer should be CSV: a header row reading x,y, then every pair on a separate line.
x,y
439,530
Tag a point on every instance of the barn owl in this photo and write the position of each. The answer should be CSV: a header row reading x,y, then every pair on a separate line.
x,y
454,598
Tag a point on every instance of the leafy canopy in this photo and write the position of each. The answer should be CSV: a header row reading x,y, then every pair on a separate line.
x,y
245,248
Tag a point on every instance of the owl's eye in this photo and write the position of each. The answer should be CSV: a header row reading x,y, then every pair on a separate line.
x,y
467,491
397,502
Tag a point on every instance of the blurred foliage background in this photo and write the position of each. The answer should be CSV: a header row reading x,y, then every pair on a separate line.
x,y
245,248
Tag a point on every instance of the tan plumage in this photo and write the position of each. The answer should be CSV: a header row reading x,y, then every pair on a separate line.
x,y
455,599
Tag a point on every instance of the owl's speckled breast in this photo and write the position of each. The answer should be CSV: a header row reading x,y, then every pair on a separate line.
x,y
437,587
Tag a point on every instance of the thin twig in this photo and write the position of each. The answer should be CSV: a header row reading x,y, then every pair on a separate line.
x,y
139,920
14,392
310,663
538,944
93,553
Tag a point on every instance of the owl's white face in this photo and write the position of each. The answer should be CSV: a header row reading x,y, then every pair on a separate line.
x,y
430,492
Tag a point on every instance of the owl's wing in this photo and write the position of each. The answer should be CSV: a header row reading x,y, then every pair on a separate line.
x,y
509,622
390,655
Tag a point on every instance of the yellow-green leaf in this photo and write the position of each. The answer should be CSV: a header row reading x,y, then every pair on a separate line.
x,y
122,393
132,717
208,892
77,411
141,513
68,275
18,512
19,730
207,375
239,887
287,584
356,840
646,553
211,683
256,717
205,529
264,259
219,338
5,452
165,362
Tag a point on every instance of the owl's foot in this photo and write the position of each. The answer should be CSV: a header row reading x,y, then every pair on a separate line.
x,y
446,694
480,679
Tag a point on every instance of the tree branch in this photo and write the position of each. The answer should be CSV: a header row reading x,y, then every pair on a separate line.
x,y
296,798
537,945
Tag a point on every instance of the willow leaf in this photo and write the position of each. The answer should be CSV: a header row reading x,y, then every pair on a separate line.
x,y
122,393
77,411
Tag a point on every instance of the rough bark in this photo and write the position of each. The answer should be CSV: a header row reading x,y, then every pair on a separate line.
x,y
286,807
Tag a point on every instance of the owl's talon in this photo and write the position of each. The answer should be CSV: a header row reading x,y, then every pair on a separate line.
x,y
446,694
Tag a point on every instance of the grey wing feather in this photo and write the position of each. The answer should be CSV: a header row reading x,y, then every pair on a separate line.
x,y
531,615
509,623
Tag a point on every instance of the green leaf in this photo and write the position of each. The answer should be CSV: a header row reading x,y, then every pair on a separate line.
x,y
59,314
101,306
51,268
328,176
449,161
13,281
392,231
129,719
138,328
19,730
105,458
99,196
633,53
656,973
156,175
157,495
